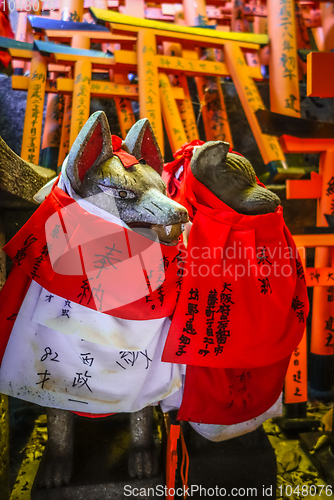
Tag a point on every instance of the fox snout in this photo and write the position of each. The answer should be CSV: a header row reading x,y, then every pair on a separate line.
x,y
177,217
164,216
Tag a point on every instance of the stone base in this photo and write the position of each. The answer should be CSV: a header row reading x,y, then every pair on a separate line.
x,y
246,464
100,464
109,491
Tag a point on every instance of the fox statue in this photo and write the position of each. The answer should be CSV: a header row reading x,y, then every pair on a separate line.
x,y
107,189
243,303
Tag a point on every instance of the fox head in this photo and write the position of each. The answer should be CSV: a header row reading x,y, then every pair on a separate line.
x,y
136,193
232,179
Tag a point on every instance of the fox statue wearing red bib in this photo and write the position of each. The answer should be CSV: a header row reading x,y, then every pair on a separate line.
x,y
243,304
86,307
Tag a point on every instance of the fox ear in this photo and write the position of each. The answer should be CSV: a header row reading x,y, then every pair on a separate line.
x,y
207,159
91,147
141,143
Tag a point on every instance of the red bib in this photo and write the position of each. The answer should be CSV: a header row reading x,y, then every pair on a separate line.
x,y
241,312
90,261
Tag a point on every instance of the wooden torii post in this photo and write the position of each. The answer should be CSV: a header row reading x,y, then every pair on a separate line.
x,y
238,16
261,26
283,60
251,101
32,128
236,67
185,107
327,22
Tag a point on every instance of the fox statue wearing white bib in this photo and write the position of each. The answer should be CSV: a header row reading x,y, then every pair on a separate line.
x,y
86,307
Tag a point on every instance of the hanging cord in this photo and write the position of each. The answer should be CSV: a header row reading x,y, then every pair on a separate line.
x,y
184,471
174,433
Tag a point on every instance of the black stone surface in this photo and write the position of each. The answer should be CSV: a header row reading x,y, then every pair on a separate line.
x,y
240,464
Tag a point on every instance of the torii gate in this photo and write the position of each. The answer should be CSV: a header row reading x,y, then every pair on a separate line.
x,y
60,31
320,77
37,85
83,62
149,33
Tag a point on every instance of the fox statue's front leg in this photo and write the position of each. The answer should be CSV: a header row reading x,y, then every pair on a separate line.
x,y
143,460
59,450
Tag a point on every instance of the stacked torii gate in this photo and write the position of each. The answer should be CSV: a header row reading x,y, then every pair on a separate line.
x,y
234,46
150,33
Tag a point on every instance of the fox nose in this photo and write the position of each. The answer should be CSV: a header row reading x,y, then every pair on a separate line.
x,y
184,217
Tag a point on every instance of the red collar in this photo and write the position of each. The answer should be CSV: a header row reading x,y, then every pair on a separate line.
x,y
126,159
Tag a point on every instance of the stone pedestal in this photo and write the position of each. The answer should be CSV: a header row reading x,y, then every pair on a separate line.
x,y
100,467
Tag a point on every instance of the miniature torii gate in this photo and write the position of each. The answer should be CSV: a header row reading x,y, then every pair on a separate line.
x,y
320,187
232,43
320,77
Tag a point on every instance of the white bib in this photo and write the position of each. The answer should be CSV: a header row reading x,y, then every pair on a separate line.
x,y
64,355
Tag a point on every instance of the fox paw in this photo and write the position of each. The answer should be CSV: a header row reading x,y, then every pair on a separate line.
x,y
57,471
143,462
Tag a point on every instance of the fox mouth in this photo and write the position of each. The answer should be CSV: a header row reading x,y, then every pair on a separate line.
x,y
167,234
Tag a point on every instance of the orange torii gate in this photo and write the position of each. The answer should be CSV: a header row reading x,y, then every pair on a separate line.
x,y
320,77
320,187
58,108
233,45
37,85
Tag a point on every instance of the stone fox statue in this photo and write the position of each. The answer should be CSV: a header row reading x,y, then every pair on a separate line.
x,y
96,293
243,303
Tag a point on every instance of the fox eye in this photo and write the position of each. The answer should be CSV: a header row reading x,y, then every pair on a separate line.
x,y
122,193
117,192
239,181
